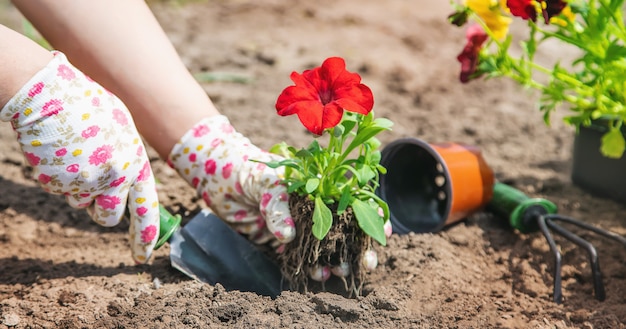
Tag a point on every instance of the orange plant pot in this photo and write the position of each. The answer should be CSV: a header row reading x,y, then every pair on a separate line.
x,y
429,186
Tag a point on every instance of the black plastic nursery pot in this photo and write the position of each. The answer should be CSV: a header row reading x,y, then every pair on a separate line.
x,y
431,185
594,172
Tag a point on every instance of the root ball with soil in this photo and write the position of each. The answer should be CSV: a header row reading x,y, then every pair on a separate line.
x,y
345,243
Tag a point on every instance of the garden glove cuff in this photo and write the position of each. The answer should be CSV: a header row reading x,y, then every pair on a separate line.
x,y
82,143
227,171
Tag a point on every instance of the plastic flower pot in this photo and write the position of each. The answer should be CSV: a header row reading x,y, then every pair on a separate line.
x,y
429,186
594,172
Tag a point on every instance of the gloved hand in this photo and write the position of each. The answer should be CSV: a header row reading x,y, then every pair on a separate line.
x,y
82,143
216,160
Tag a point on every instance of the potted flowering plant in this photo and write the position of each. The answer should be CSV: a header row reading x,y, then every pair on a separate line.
x,y
592,34
337,214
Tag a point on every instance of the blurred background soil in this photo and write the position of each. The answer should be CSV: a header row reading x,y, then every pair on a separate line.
x,y
477,274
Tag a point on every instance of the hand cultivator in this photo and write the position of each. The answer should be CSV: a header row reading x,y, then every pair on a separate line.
x,y
535,214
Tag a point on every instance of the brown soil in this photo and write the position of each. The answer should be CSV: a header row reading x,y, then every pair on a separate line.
x,y
477,274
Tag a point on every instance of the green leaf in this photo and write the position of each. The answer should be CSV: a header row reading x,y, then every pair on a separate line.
x,y
380,202
615,52
348,124
344,201
381,169
375,157
383,123
369,221
303,154
314,147
283,163
365,174
312,184
322,219
365,119
363,136
280,149
613,144
294,185
373,143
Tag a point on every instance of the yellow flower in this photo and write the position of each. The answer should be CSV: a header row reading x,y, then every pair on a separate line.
x,y
35,143
492,13
567,17
140,200
28,111
77,152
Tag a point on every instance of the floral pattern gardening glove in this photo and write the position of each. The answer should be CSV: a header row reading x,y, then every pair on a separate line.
x,y
82,143
216,160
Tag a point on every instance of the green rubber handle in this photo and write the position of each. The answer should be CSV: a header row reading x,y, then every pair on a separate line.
x,y
520,210
168,225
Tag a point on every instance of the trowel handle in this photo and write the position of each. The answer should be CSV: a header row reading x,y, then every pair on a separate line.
x,y
168,225
520,210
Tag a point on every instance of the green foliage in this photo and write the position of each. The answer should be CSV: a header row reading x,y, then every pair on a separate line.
x,y
592,84
345,173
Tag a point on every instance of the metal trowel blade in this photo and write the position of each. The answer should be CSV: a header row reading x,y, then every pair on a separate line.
x,y
208,250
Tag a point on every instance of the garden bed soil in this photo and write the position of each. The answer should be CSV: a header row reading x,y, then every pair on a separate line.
x,y
58,269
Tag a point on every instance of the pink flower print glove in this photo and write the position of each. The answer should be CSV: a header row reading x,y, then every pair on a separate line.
x,y
217,161
82,143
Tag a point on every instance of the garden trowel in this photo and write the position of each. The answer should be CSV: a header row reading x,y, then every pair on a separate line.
x,y
208,250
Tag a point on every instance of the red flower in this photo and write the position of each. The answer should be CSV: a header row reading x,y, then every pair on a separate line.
x,y
320,95
476,36
527,9
523,8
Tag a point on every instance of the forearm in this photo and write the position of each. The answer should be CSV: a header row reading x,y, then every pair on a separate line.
x,y
20,59
120,44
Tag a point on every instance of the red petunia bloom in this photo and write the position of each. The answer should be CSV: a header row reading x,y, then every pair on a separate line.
x,y
320,95
527,9
476,36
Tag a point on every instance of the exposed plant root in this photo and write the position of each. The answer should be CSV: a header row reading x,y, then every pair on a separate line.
x,y
345,242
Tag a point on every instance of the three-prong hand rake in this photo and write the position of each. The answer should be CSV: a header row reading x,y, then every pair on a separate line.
x,y
536,214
